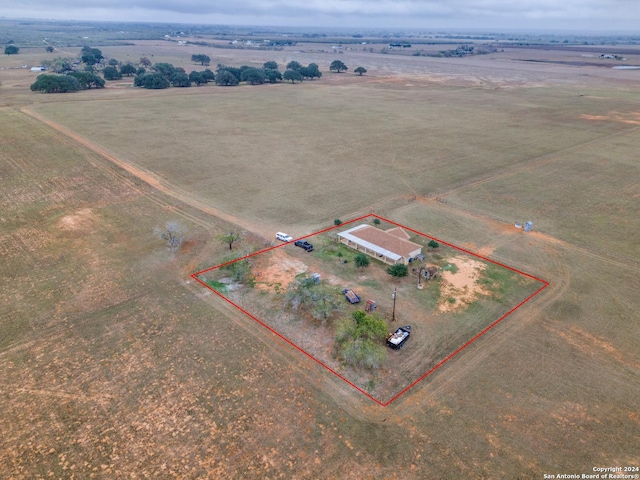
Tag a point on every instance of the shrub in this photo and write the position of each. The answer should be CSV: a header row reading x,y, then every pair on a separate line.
x,y
361,260
398,270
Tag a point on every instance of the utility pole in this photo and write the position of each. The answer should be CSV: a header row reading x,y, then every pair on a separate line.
x,y
393,315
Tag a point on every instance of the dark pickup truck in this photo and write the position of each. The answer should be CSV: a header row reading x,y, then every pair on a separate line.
x,y
398,338
304,244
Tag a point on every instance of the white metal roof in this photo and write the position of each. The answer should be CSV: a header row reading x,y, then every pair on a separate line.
x,y
371,246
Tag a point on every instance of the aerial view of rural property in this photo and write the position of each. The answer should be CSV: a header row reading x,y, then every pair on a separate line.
x,y
320,240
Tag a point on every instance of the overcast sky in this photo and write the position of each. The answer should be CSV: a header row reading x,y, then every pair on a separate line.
x,y
583,15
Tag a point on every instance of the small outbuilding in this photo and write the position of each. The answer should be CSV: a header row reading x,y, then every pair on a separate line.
x,y
391,246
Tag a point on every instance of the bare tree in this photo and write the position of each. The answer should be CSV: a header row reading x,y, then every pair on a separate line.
x,y
173,233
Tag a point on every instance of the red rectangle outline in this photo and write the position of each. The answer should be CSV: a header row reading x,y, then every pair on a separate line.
x,y
545,284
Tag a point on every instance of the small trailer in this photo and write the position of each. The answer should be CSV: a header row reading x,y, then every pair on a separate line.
x,y
398,338
351,296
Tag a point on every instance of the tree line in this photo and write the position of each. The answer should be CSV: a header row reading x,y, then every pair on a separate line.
x,y
164,75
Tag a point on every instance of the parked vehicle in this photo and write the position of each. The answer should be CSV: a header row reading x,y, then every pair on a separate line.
x,y
351,296
284,237
398,338
304,244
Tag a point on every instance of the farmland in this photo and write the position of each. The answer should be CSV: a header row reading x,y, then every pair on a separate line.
x,y
114,362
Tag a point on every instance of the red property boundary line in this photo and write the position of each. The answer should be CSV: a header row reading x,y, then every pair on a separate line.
x,y
545,284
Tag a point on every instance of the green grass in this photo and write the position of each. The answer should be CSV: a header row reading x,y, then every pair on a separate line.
x,y
218,286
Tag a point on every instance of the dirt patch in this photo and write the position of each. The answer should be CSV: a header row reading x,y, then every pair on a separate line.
x,y
632,118
461,286
278,271
82,220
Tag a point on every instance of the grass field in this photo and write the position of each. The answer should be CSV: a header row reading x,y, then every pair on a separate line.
x,y
113,363
251,151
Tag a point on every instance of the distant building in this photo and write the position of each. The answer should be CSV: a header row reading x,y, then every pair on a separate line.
x,y
392,246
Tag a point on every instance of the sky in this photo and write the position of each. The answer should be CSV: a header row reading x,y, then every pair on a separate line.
x,y
614,16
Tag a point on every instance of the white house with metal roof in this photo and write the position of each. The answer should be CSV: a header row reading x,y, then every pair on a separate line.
x,y
391,246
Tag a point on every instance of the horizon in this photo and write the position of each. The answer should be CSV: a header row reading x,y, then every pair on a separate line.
x,y
570,16
461,30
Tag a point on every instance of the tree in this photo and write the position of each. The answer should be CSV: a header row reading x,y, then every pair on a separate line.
x,y
141,71
239,270
360,339
229,238
321,299
201,58
11,50
361,260
313,71
172,233
254,76
151,80
360,70
49,49
165,69
293,65
208,75
127,69
292,75
87,80
180,79
338,66
55,84
197,78
272,76
337,222
236,72
376,221
145,62
226,78
111,73
270,65
91,56
113,62
433,244
398,270
58,64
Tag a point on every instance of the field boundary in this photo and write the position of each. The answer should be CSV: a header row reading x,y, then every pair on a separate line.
x,y
544,285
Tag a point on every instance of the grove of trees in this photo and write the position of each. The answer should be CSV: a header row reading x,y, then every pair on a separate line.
x,y
11,50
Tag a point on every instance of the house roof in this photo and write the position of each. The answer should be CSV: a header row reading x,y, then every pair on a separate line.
x,y
398,232
385,243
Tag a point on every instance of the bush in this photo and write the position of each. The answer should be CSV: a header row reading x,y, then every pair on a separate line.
x,y
361,260
337,222
376,221
398,270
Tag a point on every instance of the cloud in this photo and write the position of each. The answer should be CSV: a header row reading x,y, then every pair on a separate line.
x,y
608,14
